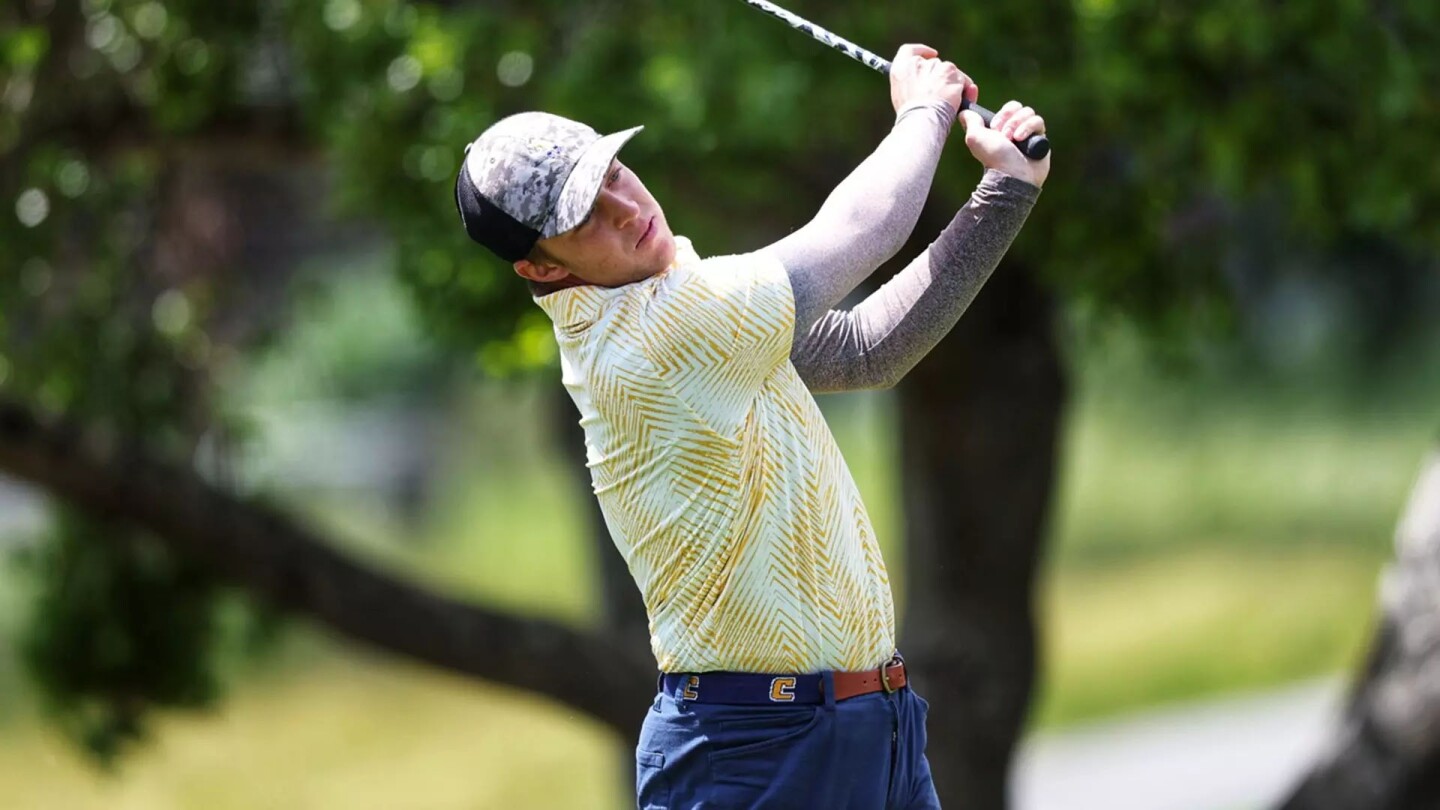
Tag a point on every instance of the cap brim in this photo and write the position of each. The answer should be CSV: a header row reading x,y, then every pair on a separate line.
x,y
582,187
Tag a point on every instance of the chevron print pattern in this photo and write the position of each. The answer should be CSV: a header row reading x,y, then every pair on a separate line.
x,y
720,482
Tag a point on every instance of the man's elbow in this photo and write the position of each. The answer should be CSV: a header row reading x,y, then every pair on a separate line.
x,y
878,238
852,385
873,376
887,372
885,382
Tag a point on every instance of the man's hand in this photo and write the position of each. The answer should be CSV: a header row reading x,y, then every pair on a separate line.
x,y
994,146
917,75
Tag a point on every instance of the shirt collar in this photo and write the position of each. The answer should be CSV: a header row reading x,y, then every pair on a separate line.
x,y
579,307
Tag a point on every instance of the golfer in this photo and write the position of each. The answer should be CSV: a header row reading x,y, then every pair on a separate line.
x,y
770,610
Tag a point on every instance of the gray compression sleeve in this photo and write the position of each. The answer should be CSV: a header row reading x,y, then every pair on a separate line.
x,y
883,337
868,217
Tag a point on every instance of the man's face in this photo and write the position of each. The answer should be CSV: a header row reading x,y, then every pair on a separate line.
x,y
625,238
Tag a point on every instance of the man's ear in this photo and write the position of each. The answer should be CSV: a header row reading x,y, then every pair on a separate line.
x,y
542,272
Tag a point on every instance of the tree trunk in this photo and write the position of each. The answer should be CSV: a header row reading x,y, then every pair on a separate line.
x,y
979,422
284,563
1384,753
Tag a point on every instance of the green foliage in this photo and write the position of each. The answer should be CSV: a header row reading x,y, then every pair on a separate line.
x,y
1194,119
92,99
391,89
121,626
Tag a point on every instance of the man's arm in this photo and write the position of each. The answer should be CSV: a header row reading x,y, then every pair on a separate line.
x,y
880,340
875,344
868,217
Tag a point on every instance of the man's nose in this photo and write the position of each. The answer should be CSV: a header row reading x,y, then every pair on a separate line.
x,y
621,209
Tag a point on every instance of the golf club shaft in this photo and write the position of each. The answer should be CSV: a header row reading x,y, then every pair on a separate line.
x,y
1035,147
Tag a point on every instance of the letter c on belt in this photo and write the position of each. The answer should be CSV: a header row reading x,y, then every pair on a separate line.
x,y
782,690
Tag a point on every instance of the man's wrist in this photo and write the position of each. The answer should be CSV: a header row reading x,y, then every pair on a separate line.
x,y
1013,182
942,108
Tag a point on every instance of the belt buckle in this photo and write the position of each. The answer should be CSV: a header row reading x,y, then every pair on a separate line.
x,y
885,674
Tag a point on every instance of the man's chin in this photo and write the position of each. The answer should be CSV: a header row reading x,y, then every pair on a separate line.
x,y
667,251
663,258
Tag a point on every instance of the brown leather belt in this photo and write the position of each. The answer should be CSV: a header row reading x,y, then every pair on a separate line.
x,y
886,678
753,689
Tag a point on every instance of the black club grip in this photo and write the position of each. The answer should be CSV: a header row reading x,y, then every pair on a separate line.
x,y
1035,147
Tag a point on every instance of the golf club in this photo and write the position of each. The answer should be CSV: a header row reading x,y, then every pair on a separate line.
x,y
1035,147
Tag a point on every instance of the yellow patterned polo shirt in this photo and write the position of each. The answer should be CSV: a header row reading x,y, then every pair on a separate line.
x,y
719,479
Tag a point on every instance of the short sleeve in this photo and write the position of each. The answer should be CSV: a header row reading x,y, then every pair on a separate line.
x,y
717,329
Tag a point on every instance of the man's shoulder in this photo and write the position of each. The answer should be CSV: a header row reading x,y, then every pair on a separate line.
x,y
574,310
678,300
725,274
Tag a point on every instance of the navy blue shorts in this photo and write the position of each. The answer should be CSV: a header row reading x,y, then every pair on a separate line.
x,y
865,753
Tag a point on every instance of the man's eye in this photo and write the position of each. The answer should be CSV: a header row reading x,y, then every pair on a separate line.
x,y
615,175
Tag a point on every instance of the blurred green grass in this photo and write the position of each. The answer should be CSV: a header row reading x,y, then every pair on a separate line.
x,y
347,731
1222,529
1155,463
1199,623
1209,536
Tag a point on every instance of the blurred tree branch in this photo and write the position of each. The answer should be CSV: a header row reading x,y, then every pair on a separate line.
x,y
291,567
1385,752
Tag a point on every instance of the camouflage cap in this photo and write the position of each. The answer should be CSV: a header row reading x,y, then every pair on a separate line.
x,y
532,176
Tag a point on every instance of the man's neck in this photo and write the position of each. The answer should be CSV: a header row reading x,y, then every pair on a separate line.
x,y
540,289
